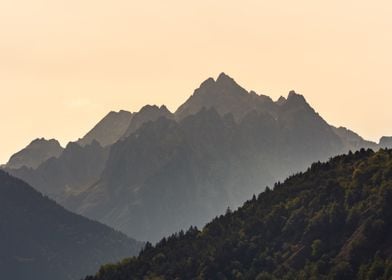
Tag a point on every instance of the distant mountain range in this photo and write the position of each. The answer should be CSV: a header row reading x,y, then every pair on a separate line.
x,y
332,222
41,240
153,172
170,175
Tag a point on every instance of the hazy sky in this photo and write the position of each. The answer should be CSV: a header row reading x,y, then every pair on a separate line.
x,y
65,64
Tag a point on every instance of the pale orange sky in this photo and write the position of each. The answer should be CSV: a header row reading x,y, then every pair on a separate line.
x,y
65,64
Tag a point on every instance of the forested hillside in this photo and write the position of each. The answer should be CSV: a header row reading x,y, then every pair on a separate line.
x,y
332,222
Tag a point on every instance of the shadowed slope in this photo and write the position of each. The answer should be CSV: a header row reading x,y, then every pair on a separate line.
x,y
41,240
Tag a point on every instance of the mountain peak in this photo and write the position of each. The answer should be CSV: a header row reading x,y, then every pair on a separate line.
x,y
153,109
224,77
149,107
43,140
147,113
210,82
224,94
293,94
225,82
109,129
163,107
281,100
211,85
296,99
38,151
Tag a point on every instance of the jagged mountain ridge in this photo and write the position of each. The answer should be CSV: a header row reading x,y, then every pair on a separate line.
x,y
227,130
146,114
80,164
41,240
226,96
75,168
37,152
169,175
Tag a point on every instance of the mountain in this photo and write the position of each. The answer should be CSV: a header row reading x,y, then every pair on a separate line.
x,y
81,163
386,142
75,168
109,130
332,222
41,240
226,96
154,181
146,114
170,174
352,140
35,153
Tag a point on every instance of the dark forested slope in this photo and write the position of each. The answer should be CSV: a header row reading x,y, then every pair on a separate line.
x,y
332,222
41,240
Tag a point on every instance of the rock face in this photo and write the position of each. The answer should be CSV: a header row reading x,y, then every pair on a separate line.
x,y
147,114
386,142
109,130
35,153
41,240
